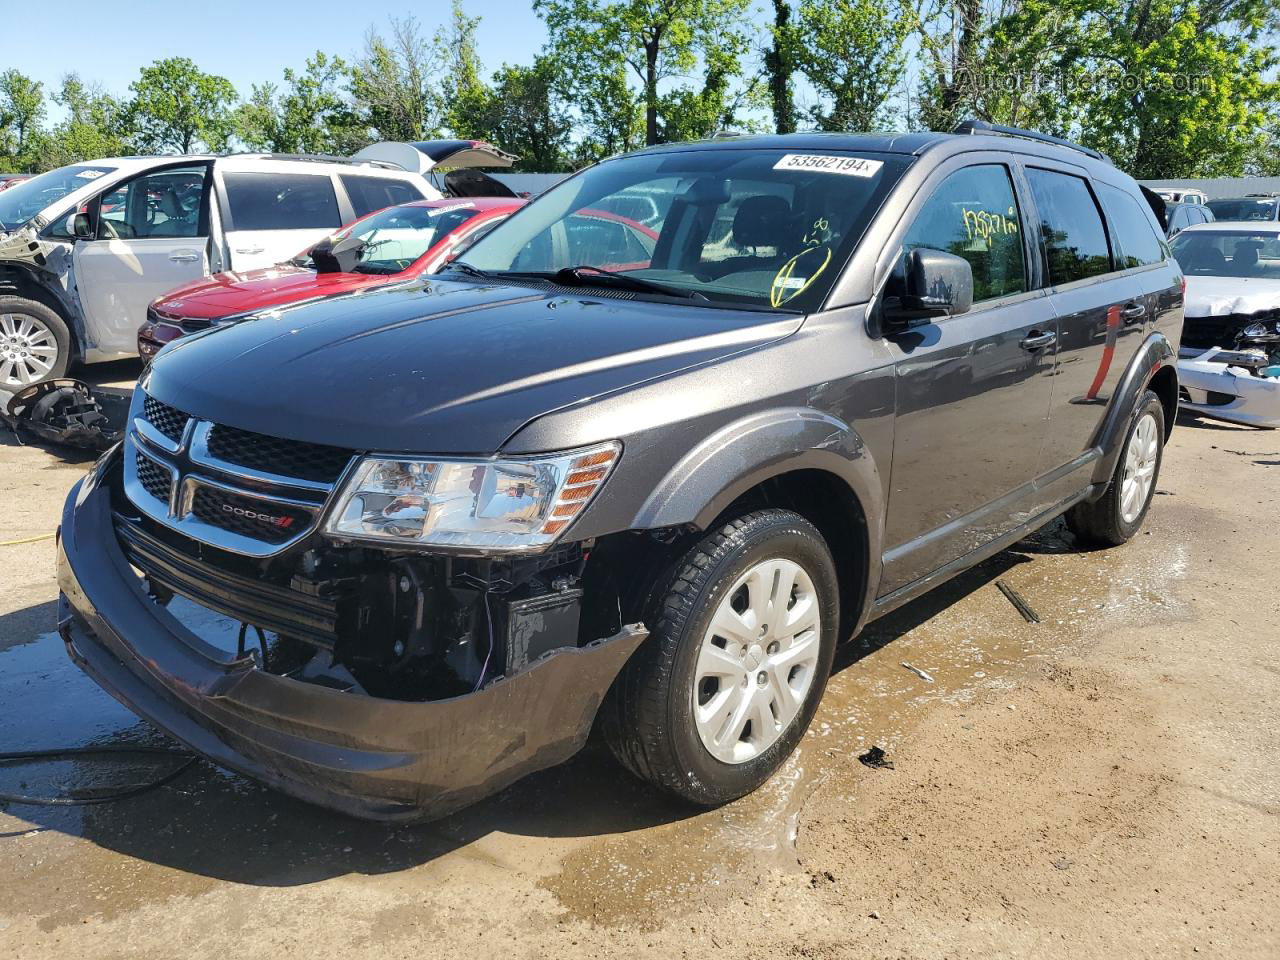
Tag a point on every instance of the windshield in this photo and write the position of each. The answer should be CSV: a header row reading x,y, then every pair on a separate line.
x,y
1228,253
394,238
1247,208
20,203
763,228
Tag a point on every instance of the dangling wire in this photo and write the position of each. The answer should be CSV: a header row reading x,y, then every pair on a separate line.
x,y
262,643
76,801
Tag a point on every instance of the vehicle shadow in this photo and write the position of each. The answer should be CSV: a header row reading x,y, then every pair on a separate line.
x,y
1188,418
217,824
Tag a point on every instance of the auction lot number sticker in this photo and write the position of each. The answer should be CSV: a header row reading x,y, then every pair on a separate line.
x,y
824,163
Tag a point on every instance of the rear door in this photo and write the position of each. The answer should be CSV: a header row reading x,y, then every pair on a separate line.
x,y
1101,309
151,235
972,390
271,212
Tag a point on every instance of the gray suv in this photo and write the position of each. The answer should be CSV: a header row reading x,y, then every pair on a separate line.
x,y
639,476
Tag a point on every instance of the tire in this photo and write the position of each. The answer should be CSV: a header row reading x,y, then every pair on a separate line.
x,y
648,719
35,344
1111,519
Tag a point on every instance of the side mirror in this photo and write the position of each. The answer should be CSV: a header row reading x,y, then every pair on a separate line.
x,y
927,284
80,227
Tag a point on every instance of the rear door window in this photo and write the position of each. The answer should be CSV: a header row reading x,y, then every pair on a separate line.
x,y
368,194
281,201
1139,244
1075,241
974,214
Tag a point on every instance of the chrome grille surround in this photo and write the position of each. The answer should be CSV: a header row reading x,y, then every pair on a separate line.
x,y
240,509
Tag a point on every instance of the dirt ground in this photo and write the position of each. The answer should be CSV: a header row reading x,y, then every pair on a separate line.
x,y
1100,784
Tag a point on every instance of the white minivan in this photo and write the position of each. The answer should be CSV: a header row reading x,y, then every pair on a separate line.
x,y
85,248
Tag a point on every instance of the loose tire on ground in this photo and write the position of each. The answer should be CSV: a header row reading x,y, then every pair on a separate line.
x,y
649,718
1112,519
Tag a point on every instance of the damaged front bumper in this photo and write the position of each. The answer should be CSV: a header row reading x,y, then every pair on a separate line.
x,y
372,758
1214,387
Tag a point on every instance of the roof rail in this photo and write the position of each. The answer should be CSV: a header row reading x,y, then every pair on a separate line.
x,y
317,158
981,126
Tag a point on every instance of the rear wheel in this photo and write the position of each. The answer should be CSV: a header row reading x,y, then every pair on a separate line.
x,y
740,646
35,344
1118,514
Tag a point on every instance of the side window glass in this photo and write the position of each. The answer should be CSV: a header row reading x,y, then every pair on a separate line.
x,y
161,204
974,214
1071,229
368,194
1139,244
281,201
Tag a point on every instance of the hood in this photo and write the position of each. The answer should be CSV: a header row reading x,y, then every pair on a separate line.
x,y
440,367
1224,296
226,294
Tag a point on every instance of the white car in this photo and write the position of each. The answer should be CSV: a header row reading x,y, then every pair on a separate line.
x,y
85,248
1229,360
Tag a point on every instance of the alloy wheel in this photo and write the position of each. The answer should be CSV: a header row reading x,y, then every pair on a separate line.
x,y
28,349
757,661
1139,468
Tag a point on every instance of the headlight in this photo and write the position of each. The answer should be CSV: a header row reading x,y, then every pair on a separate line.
x,y
491,505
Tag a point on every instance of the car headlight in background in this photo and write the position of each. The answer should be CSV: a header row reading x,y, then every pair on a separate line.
x,y
490,505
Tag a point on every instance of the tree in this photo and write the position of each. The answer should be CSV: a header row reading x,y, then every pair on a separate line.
x,y
22,108
309,114
852,53
658,40
176,106
463,93
392,83
523,114
780,68
96,126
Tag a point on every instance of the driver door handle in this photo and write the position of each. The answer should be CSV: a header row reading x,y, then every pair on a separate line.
x,y
1036,340
184,257
1132,311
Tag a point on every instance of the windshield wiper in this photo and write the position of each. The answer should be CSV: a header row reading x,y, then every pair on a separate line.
x,y
589,276
463,267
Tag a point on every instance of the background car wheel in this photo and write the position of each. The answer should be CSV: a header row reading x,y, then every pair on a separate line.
x,y
35,344
740,645
1118,514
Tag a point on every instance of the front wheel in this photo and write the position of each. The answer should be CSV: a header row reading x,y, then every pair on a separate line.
x,y
740,646
1118,514
35,344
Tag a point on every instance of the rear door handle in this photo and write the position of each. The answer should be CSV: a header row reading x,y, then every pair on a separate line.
x,y
1133,311
186,257
1036,341
249,250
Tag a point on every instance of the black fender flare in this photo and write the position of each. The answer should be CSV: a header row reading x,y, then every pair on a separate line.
x,y
1155,354
748,451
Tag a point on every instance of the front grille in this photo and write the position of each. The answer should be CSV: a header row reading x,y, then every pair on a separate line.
x,y
170,421
266,521
291,458
155,479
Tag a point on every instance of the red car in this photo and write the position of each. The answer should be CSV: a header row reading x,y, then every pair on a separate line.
x,y
400,243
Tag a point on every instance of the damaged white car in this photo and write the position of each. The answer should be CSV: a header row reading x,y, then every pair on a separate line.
x,y
1229,361
85,248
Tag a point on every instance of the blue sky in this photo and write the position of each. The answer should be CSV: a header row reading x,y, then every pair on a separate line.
x,y
246,42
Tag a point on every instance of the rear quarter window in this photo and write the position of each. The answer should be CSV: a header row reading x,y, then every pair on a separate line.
x,y
1075,241
368,194
1137,238
281,201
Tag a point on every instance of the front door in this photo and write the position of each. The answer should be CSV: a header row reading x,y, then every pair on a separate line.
x,y
973,390
151,236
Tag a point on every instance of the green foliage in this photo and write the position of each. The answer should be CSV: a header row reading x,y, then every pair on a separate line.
x,y
852,53
463,93
392,85
522,114
176,106
779,68
22,107
311,114
599,42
